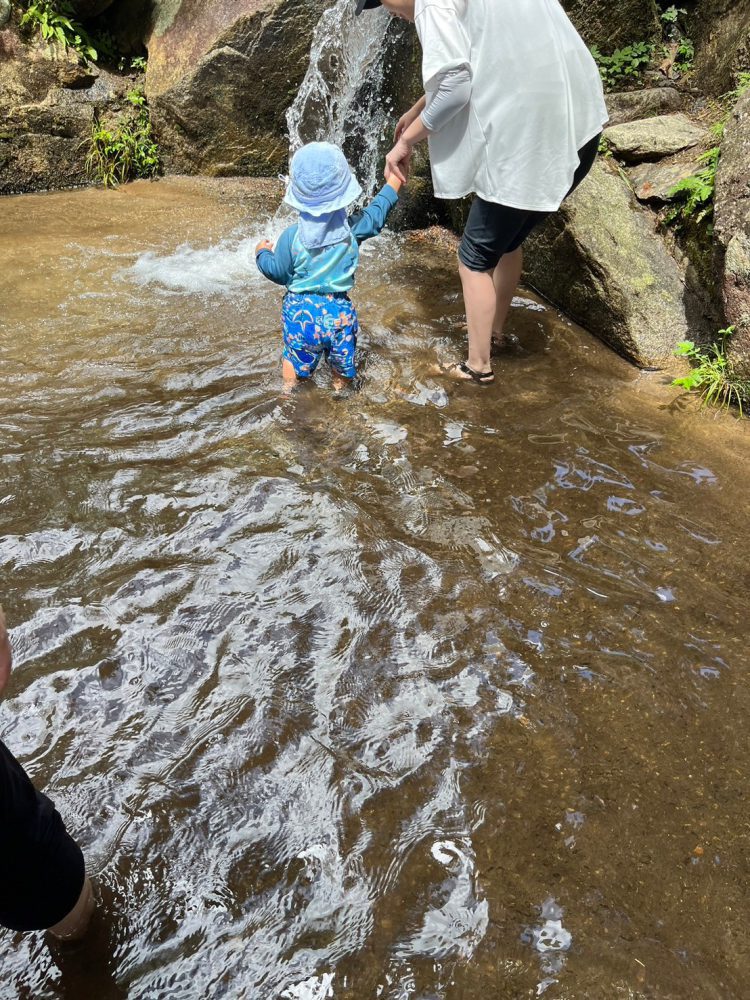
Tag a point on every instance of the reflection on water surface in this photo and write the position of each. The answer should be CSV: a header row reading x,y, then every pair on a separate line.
x,y
418,691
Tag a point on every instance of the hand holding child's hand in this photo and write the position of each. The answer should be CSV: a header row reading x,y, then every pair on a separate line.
x,y
398,161
263,245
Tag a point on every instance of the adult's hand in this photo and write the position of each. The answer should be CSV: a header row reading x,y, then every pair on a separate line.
x,y
5,654
398,161
264,245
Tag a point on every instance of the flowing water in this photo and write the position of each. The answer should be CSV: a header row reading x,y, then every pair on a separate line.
x,y
340,99
418,690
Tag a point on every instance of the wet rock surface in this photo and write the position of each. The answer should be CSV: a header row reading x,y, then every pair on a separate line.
x,y
654,138
602,262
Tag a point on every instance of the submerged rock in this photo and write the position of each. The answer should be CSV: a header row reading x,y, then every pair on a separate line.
x,y
220,77
602,262
630,105
654,138
732,229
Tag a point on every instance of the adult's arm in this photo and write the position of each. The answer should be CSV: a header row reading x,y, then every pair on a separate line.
x,y
445,48
278,265
409,116
452,95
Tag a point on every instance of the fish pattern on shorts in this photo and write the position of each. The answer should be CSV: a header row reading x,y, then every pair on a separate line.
x,y
317,325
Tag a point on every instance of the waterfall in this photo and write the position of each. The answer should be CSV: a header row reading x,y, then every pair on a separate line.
x,y
340,99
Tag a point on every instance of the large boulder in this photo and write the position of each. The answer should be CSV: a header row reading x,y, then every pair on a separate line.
x,y
721,29
221,74
630,105
732,229
601,261
611,25
654,138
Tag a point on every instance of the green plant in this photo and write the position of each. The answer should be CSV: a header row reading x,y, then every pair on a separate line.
x,y
138,63
713,374
127,150
672,14
55,23
683,60
695,194
625,65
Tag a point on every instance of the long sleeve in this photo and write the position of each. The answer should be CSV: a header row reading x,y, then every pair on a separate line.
x,y
278,264
453,93
370,221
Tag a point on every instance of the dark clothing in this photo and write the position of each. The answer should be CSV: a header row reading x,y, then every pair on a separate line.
x,y
42,870
494,230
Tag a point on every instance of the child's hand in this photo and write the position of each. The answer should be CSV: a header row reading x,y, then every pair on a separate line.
x,y
263,245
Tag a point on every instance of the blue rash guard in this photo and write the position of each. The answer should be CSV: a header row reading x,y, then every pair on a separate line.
x,y
328,270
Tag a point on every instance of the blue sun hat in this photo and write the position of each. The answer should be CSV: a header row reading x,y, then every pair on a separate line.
x,y
321,180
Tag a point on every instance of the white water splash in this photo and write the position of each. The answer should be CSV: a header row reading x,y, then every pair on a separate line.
x,y
339,99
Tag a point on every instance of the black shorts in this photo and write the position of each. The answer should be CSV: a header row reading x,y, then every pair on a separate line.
x,y
494,230
42,870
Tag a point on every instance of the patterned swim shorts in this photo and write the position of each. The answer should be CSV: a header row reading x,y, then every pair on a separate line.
x,y
317,325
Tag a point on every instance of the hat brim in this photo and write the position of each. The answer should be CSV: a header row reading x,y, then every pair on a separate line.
x,y
365,5
353,191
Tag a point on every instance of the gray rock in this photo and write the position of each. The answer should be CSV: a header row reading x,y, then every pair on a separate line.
x,y
600,260
4,12
609,25
732,229
631,105
655,181
654,138
721,30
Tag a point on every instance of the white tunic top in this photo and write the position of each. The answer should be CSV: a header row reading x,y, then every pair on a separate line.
x,y
536,99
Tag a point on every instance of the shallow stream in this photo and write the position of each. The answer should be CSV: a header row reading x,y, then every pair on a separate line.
x,y
415,691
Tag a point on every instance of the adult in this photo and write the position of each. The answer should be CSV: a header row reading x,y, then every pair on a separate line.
x,y
43,883
513,110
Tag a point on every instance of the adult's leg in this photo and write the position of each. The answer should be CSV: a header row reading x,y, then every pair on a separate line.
x,y
506,278
490,232
75,924
480,302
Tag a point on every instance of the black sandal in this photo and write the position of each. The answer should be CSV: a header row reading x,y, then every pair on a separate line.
x,y
481,378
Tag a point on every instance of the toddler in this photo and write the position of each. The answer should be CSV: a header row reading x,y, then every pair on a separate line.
x,y
317,259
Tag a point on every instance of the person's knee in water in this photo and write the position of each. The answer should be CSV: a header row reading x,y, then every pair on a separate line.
x,y
43,881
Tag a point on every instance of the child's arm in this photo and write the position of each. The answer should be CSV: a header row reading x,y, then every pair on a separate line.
x,y
370,220
277,265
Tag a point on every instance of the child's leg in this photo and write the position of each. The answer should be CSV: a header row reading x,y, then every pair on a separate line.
x,y
302,351
344,344
287,372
